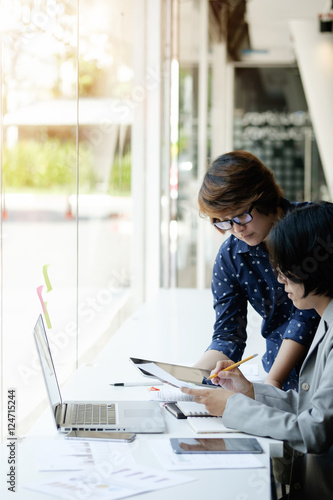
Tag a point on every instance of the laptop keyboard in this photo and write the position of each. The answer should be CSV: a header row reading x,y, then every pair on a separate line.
x,y
91,414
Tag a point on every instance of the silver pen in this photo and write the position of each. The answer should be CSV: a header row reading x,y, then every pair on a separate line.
x,y
135,384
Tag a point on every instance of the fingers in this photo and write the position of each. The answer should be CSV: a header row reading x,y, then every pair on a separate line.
x,y
220,366
192,392
229,374
223,377
198,394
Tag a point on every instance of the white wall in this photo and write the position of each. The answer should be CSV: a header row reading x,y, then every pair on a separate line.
x,y
146,143
314,53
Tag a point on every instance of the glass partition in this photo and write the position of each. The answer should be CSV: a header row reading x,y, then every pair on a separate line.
x,y
191,91
105,118
39,118
68,101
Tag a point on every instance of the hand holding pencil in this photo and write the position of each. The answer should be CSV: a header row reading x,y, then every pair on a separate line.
x,y
231,367
232,381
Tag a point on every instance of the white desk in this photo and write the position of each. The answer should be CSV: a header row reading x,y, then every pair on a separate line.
x,y
167,329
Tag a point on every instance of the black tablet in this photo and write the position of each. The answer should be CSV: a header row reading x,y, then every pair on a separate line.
x,y
215,445
185,373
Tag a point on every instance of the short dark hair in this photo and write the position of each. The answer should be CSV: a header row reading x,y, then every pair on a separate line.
x,y
238,179
301,246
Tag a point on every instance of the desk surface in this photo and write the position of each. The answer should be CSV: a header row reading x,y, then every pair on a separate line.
x,y
158,330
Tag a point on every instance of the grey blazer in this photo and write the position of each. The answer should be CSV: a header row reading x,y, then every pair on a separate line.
x,y
303,419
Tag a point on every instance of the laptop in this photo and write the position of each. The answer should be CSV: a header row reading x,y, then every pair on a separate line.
x,y
127,416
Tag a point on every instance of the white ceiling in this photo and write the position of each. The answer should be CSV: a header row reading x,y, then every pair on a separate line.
x,y
269,29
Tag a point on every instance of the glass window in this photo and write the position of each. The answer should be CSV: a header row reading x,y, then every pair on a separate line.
x,y
39,172
189,178
67,106
105,117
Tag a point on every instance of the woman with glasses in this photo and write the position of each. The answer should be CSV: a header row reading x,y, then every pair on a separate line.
x,y
301,248
240,196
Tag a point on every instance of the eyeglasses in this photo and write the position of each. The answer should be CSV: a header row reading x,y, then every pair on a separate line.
x,y
240,219
287,279
282,277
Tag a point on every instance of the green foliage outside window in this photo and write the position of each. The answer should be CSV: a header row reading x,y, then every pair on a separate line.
x,y
42,165
120,178
51,165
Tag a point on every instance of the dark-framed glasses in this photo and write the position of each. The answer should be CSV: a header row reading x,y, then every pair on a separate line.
x,y
240,219
281,276
291,278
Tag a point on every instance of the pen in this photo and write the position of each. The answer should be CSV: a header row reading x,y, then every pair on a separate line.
x,y
134,384
233,366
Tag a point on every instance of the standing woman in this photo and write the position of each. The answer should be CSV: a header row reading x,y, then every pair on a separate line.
x,y
240,195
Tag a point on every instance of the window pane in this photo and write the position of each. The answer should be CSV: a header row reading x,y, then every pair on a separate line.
x,y
67,112
39,116
104,201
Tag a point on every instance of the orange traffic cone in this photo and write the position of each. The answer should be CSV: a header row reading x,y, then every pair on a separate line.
x,y
68,214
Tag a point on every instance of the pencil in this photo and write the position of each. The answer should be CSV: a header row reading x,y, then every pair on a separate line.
x,y
233,366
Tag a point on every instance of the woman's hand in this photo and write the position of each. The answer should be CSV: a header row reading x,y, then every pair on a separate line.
x,y
220,365
214,399
232,380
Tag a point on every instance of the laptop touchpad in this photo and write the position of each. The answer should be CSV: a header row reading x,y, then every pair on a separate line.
x,y
137,413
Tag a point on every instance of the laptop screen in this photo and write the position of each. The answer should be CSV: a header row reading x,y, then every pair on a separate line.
x,y
46,361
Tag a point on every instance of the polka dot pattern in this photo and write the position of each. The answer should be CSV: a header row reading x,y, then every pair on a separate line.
x,y
242,275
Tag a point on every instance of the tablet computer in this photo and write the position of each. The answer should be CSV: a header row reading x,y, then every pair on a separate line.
x,y
186,373
215,445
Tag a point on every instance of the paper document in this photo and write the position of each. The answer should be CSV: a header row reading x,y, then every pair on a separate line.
x,y
106,483
71,454
169,394
208,425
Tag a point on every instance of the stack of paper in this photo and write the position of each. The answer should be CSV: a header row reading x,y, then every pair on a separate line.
x,y
208,425
169,394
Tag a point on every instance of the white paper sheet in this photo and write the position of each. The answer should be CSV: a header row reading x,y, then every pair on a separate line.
x,y
169,394
100,483
208,425
71,454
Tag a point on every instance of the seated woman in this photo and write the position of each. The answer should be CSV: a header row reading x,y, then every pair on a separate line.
x,y
301,251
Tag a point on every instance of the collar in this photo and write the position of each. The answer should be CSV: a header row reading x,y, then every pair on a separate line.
x,y
323,326
328,313
242,247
